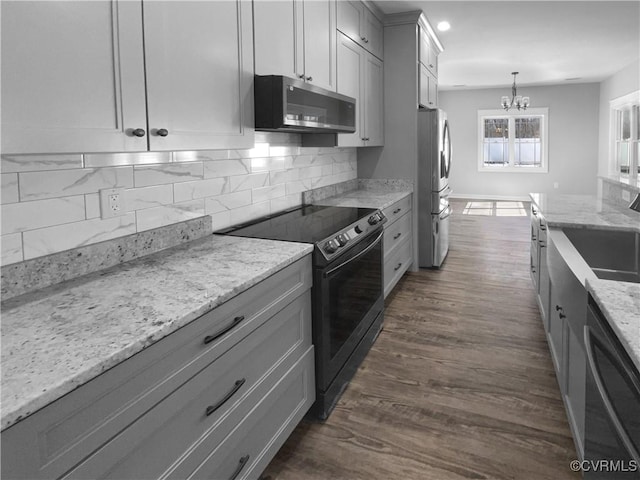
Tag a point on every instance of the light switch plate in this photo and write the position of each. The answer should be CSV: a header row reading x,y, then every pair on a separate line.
x,y
112,202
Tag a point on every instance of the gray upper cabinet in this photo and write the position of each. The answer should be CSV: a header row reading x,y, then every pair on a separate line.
x,y
358,23
199,63
361,76
296,38
73,76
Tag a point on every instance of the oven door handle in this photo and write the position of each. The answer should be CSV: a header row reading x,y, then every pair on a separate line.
x,y
617,424
373,244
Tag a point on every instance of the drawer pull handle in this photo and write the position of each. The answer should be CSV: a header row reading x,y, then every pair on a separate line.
x,y
211,338
397,267
223,400
397,235
397,210
241,463
560,311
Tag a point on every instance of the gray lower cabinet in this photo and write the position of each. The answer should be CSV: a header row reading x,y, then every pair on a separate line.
x,y
566,320
241,374
398,242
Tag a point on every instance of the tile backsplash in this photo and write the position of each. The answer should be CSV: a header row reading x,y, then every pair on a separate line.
x,y
50,203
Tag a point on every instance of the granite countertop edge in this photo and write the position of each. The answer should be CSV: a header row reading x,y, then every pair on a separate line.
x,y
379,197
585,211
620,304
21,397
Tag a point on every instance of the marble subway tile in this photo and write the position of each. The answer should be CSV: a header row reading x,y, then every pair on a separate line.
x,y
279,150
295,187
32,163
284,176
245,182
148,175
250,212
270,163
225,168
9,187
200,189
51,184
229,201
202,156
310,172
11,248
310,160
286,202
22,216
148,197
119,159
221,220
168,214
341,167
92,205
268,193
49,240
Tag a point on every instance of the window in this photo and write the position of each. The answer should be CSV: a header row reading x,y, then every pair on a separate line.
x,y
512,142
625,137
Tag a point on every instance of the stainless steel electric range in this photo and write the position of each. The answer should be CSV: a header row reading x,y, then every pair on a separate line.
x,y
347,292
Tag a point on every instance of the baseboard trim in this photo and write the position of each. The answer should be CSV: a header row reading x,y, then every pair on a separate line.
x,y
476,196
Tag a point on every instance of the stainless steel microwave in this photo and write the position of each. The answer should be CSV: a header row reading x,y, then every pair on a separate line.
x,y
286,104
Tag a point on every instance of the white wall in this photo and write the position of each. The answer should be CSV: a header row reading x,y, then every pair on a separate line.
x,y
573,141
625,81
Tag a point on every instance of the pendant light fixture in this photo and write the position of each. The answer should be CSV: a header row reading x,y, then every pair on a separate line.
x,y
517,101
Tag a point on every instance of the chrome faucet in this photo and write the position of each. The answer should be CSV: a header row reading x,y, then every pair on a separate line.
x,y
635,205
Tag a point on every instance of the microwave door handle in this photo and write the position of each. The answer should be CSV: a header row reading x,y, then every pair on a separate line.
x,y
373,244
588,333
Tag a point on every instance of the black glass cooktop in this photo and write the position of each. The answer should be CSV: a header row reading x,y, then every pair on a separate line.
x,y
307,224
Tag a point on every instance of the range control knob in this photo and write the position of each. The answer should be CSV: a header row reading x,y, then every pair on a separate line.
x,y
331,246
373,219
358,229
342,239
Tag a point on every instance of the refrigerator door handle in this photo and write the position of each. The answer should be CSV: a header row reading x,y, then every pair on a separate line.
x,y
447,132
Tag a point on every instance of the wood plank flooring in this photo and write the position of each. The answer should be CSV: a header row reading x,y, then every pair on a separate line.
x,y
459,384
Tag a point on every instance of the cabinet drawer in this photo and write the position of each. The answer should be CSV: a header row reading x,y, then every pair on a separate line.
x,y
53,440
396,265
211,404
396,233
398,209
248,449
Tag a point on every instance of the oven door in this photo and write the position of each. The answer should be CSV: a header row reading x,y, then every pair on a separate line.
x,y
612,420
348,296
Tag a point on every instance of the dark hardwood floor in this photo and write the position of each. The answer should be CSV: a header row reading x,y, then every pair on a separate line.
x,y
459,383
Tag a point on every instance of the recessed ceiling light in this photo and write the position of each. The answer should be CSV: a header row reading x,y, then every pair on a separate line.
x,y
443,26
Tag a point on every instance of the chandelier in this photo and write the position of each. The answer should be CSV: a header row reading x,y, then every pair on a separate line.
x,y
517,101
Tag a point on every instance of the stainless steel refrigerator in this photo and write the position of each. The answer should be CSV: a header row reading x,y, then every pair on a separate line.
x,y
434,165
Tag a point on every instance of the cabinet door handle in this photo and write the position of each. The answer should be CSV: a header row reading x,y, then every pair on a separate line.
x,y
542,244
397,267
397,236
162,132
211,338
364,39
397,210
241,463
309,79
301,75
560,311
223,400
139,132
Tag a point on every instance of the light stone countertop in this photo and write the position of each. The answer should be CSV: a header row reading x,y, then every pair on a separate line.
x,y
620,303
58,338
369,197
585,211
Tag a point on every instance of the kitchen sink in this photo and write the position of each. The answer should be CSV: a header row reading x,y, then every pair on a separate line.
x,y
610,254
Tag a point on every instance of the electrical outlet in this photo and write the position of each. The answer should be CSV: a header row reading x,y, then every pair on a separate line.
x,y
112,202
556,185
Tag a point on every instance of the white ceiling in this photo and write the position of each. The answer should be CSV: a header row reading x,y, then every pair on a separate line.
x,y
546,41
